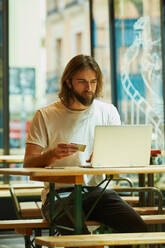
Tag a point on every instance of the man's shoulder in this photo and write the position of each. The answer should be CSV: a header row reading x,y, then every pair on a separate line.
x,y
104,106
107,112
51,107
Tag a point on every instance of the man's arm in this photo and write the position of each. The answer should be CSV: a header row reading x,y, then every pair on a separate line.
x,y
34,156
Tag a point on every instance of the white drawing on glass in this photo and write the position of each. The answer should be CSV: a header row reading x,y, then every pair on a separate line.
x,y
148,54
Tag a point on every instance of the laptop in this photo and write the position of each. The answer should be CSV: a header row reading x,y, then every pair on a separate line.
x,y
122,146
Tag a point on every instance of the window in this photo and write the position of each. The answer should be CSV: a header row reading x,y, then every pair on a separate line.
x,y
139,65
1,80
65,38
45,34
26,67
40,46
101,42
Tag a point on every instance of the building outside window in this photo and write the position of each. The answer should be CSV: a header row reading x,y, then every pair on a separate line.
x,y
68,26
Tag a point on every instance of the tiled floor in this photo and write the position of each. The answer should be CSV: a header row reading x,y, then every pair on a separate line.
x,y
11,240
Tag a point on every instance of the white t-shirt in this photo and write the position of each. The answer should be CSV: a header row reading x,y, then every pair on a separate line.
x,y
55,123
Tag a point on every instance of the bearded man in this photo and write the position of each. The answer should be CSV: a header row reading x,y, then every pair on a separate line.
x,y
54,132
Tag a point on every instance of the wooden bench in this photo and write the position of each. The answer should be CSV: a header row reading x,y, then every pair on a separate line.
x,y
30,224
102,239
22,190
30,210
132,200
27,226
26,210
33,209
148,210
24,226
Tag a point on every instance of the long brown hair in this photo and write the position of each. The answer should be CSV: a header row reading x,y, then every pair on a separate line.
x,y
76,64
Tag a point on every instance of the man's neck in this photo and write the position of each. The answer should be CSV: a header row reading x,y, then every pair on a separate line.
x,y
76,106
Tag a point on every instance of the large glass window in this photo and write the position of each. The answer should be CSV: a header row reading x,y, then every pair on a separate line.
x,y
43,36
27,70
101,42
1,77
139,65
67,34
26,66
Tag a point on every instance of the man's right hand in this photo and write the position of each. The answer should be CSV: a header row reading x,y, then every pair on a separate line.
x,y
62,151
34,156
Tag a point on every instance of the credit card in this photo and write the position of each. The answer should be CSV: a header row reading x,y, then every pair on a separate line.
x,y
81,147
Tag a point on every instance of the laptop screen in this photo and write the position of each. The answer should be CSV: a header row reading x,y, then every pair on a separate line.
x,y
122,146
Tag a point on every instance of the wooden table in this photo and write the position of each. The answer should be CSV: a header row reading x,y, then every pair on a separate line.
x,y
10,159
74,175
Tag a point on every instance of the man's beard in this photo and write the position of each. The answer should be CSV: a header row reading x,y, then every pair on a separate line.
x,y
85,100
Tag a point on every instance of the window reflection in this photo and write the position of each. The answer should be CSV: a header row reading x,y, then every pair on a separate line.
x,y
139,66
